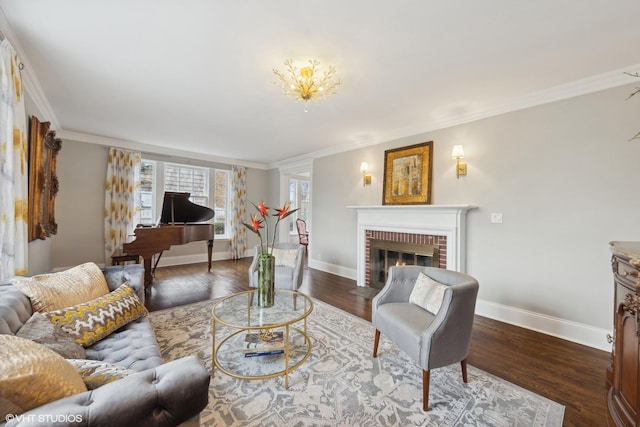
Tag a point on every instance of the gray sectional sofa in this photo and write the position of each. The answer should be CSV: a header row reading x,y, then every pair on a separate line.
x,y
158,394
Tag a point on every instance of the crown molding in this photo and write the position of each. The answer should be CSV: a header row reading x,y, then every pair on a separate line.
x,y
569,90
153,149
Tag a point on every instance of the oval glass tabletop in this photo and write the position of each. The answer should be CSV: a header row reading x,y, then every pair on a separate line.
x,y
241,310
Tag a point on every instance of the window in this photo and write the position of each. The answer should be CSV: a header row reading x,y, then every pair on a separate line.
x,y
156,177
188,179
300,197
146,200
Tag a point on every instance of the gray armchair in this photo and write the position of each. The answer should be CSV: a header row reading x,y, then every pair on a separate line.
x,y
287,276
432,341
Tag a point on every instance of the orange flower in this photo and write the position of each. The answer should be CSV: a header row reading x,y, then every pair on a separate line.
x,y
283,212
262,208
257,223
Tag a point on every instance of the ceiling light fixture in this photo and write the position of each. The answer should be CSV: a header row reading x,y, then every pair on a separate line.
x,y
307,84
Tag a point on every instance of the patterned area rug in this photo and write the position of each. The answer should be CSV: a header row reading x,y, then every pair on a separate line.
x,y
341,384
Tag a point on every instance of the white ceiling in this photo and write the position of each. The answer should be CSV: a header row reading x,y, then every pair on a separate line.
x,y
196,75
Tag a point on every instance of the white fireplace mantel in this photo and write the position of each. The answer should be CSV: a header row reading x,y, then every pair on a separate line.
x,y
438,220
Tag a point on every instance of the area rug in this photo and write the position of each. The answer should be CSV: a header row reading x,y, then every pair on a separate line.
x,y
341,384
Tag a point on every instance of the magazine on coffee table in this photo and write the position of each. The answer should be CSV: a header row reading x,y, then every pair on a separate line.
x,y
254,345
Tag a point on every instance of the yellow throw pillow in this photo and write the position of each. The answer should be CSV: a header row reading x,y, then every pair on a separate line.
x,y
31,375
91,321
427,293
53,291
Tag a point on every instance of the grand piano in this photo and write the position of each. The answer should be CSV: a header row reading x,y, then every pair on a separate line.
x,y
181,222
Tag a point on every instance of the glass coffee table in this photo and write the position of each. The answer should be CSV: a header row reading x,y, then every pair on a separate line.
x,y
238,316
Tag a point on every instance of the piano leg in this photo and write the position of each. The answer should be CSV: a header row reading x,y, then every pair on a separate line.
x,y
148,273
209,252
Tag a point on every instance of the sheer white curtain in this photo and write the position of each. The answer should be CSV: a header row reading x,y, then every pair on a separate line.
x,y
14,202
121,189
237,231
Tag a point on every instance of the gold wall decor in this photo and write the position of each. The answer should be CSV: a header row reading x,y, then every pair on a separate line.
x,y
407,175
43,182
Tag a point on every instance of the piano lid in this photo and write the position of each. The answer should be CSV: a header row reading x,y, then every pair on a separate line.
x,y
176,208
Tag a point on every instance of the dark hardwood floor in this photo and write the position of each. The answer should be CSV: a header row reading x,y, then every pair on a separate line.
x,y
568,373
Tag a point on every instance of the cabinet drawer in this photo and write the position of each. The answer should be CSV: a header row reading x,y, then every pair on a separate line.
x,y
626,274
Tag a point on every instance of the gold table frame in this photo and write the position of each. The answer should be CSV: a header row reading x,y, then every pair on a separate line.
x,y
285,313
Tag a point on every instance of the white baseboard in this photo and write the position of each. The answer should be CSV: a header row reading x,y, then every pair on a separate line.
x,y
192,259
561,328
338,270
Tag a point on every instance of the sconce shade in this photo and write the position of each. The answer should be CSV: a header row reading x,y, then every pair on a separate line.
x,y
457,152
364,167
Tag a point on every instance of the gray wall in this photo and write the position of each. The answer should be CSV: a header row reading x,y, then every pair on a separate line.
x,y
80,205
562,174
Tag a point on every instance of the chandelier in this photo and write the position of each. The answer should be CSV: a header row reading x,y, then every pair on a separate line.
x,y
307,84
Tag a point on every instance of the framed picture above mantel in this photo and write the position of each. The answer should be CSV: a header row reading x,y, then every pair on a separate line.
x,y
407,175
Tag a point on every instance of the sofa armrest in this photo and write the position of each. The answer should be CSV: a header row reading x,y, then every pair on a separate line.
x,y
164,396
118,274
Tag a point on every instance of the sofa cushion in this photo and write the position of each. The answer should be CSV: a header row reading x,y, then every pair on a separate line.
x,y
41,330
32,375
427,293
96,373
133,346
93,320
54,291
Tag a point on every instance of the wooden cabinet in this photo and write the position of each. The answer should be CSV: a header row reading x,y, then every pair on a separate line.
x,y
623,406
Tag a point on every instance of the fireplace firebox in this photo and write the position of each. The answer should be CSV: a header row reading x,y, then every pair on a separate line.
x,y
385,254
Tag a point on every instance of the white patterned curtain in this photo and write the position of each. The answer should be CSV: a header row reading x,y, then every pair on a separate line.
x,y
14,202
237,231
121,186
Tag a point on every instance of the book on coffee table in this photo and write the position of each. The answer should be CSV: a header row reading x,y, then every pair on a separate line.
x,y
254,345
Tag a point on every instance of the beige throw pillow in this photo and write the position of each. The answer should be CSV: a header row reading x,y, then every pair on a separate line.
x,y
93,320
286,257
32,375
427,293
63,289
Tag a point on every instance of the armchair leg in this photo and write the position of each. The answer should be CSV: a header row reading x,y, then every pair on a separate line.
x,y
425,390
375,343
463,364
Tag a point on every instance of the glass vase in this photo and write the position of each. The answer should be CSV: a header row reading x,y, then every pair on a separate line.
x,y
266,280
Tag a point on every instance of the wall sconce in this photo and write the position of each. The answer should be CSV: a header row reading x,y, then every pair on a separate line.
x,y
366,179
458,153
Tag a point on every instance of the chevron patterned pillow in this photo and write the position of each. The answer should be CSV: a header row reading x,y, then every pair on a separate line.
x,y
92,321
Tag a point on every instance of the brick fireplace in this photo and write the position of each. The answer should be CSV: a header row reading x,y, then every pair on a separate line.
x,y
442,227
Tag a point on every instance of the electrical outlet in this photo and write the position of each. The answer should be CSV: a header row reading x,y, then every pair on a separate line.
x,y
496,218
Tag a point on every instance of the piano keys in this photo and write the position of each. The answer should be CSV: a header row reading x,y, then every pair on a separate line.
x,y
175,228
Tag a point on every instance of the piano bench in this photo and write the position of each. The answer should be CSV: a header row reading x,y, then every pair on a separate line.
x,y
119,258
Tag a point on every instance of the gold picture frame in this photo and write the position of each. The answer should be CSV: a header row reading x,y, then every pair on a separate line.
x,y
407,175
43,182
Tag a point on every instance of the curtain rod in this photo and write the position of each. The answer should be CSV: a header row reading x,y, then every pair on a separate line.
x,y
2,38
